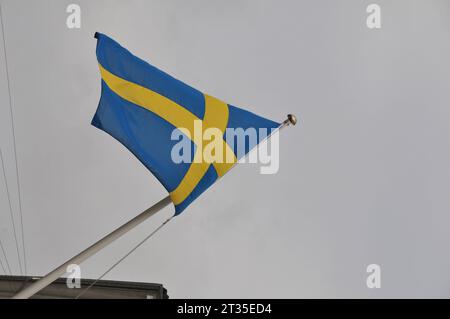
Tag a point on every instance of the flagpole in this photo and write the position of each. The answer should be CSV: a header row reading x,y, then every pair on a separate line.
x,y
43,282
85,254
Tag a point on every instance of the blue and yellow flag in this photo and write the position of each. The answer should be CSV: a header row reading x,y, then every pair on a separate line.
x,y
142,106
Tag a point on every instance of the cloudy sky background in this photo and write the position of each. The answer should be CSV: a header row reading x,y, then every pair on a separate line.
x,y
364,177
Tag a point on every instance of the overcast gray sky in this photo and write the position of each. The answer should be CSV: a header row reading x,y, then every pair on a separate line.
x,y
364,177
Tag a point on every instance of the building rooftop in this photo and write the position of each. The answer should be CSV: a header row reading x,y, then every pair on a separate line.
x,y
103,289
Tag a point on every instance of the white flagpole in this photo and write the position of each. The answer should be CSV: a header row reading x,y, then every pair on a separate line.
x,y
40,284
85,254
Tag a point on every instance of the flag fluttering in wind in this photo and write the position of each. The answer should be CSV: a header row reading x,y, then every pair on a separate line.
x,y
152,114
142,106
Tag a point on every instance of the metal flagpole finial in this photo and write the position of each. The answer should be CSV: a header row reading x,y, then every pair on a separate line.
x,y
291,120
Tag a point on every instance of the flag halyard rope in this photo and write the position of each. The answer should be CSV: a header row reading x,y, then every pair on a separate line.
x,y
124,257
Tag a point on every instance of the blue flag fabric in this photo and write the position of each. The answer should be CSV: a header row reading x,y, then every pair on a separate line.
x,y
142,107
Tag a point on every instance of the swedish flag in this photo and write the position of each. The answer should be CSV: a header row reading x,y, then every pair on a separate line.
x,y
141,106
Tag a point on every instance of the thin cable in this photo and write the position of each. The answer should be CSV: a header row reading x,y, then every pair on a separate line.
x,y
14,144
6,259
3,267
124,257
11,288
10,284
10,214
4,270
1,243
